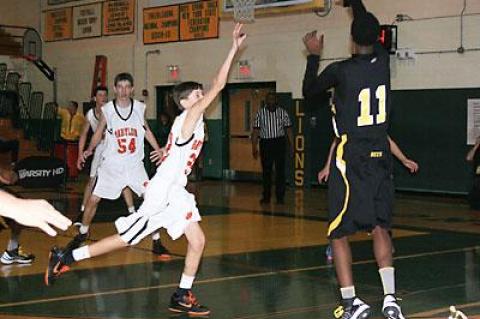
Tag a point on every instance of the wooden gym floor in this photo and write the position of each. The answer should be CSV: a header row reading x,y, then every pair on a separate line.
x,y
260,261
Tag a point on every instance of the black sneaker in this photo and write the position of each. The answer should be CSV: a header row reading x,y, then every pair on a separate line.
x,y
160,250
16,256
187,303
56,265
391,309
353,308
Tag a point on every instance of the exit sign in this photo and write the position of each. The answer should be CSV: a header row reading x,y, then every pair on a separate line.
x,y
388,38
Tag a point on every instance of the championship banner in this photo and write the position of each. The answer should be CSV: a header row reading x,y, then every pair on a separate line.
x,y
40,171
58,24
199,20
160,24
118,17
87,21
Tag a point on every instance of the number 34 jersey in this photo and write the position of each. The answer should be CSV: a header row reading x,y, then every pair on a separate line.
x,y
181,154
125,133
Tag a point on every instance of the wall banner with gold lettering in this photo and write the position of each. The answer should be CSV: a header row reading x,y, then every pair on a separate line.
x,y
199,20
87,21
160,24
118,17
58,24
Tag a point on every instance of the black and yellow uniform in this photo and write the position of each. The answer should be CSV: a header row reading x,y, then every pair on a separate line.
x,y
360,184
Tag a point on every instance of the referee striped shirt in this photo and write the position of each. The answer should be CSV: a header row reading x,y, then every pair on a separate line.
x,y
272,124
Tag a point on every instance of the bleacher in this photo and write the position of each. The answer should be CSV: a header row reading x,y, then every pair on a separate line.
x,y
25,117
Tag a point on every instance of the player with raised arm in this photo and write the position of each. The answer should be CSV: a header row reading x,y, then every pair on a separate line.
x,y
167,203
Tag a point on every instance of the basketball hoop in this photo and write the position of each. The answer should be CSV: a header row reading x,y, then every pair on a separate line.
x,y
244,11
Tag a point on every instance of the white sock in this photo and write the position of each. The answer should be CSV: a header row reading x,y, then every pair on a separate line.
x,y
12,243
387,275
81,253
132,210
83,229
348,292
82,208
156,236
186,282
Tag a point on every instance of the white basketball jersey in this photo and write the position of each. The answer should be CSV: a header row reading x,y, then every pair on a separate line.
x,y
125,132
92,119
181,154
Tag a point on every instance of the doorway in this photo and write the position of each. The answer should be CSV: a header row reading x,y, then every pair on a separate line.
x,y
241,102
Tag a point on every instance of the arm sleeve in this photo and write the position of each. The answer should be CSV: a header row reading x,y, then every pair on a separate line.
x,y
358,8
313,84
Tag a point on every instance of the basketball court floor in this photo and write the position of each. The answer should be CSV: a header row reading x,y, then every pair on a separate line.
x,y
260,261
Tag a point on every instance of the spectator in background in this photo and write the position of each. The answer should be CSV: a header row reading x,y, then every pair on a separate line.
x,y
163,129
72,122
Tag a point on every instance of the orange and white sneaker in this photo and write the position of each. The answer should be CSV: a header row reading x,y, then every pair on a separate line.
x,y
184,301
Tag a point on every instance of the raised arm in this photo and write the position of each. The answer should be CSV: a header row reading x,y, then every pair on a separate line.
x,y
217,85
358,9
313,83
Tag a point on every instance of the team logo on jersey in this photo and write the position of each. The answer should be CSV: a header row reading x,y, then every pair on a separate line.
x,y
188,216
126,131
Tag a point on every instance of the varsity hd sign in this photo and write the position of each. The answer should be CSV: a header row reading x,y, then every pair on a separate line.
x,y
40,171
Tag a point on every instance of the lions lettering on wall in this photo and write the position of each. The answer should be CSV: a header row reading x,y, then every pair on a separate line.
x,y
299,144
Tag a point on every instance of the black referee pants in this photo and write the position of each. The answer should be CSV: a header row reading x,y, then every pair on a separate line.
x,y
272,152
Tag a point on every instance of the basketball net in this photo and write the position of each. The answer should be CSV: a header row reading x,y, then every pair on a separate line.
x,y
244,11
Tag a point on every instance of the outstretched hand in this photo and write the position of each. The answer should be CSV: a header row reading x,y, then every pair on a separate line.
x,y
238,36
313,43
36,213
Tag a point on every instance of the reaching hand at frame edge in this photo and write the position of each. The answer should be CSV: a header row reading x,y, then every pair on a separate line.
x,y
238,36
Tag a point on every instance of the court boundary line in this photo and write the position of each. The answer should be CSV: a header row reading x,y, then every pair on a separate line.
x,y
222,279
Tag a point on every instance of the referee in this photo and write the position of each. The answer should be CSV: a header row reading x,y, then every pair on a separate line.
x,y
271,124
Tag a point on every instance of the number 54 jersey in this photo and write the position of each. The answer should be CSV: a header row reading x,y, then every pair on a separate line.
x,y
125,133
